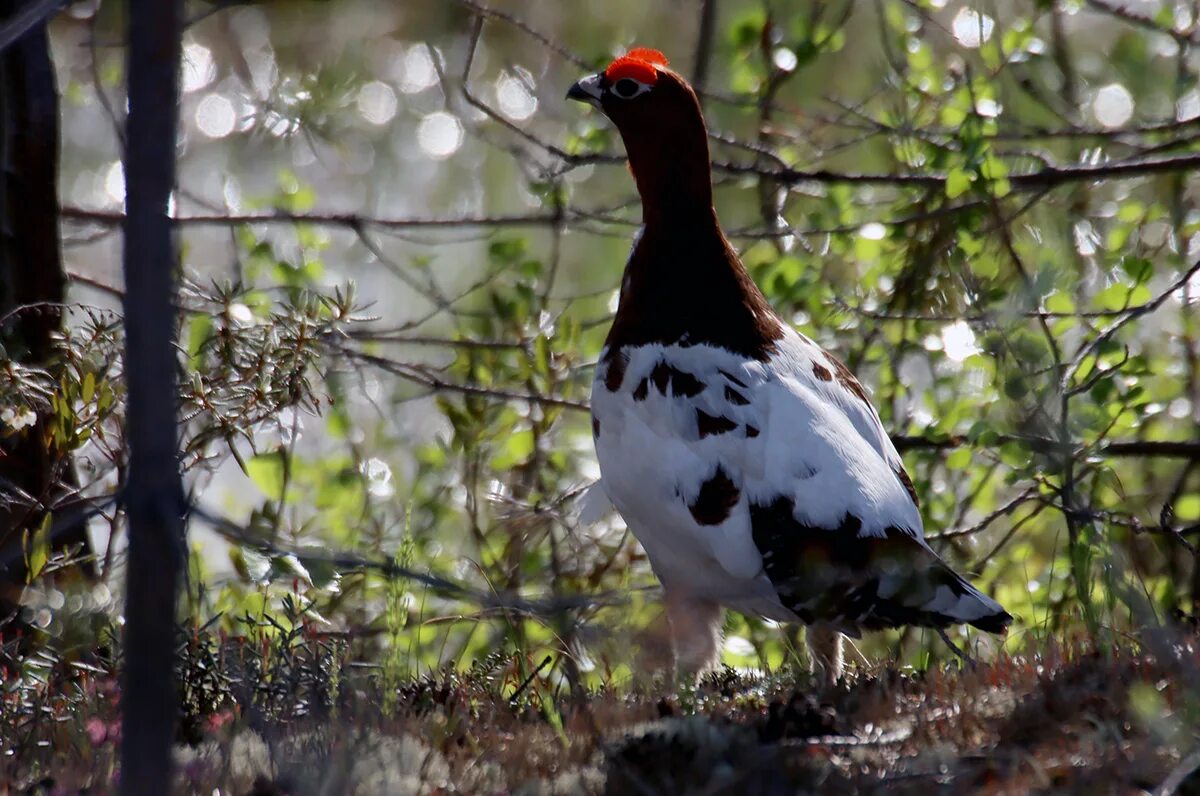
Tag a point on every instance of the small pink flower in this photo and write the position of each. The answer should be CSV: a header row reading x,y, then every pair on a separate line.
x,y
97,731
219,720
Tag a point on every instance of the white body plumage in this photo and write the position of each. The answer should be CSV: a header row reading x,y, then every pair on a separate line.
x,y
795,427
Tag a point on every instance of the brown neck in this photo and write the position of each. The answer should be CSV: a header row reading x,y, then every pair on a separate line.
x,y
671,166
685,284
673,185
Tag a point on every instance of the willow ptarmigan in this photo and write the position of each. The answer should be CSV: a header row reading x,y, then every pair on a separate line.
x,y
747,460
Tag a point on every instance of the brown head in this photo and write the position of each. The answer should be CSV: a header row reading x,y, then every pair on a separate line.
x,y
683,282
659,119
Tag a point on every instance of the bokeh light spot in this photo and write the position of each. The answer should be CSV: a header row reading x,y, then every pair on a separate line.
x,y
958,341
1112,106
198,67
419,73
972,28
440,135
377,102
516,101
215,116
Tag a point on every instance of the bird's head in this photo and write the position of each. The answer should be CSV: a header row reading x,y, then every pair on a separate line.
x,y
659,118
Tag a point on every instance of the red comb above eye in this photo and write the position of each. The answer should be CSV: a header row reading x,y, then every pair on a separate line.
x,y
639,63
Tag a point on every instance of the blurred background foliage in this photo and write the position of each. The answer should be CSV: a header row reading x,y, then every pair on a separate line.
x,y
401,250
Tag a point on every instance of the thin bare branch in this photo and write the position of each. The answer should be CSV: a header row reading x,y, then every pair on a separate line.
x,y
27,18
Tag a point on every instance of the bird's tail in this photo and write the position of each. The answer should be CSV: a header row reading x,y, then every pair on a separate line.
x,y
937,597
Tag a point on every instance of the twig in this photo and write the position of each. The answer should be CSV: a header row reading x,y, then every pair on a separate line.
x,y
1137,20
1133,314
351,221
541,38
1008,508
421,376
1167,449
704,37
26,18
512,700
1048,177
538,607
1180,774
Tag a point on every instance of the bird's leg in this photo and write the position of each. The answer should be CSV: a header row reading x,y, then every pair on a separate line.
x,y
825,652
695,634
654,658
963,656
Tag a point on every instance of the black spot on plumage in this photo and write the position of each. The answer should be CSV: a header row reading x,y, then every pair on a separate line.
x,y
685,384
902,474
709,424
617,362
680,383
661,376
833,574
732,378
735,397
718,495
639,394
751,431
595,426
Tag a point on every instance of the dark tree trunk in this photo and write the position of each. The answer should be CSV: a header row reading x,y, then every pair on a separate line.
x,y
154,495
32,472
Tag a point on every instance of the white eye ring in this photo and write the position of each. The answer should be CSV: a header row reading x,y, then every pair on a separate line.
x,y
627,88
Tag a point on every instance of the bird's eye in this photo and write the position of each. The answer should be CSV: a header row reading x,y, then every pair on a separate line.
x,y
626,88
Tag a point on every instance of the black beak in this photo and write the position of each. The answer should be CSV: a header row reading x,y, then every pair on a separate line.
x,y
587,90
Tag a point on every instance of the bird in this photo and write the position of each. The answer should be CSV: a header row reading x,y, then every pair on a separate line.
x,y
748,462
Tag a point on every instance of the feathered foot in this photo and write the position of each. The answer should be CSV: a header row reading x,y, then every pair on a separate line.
x,y
825,653
695,634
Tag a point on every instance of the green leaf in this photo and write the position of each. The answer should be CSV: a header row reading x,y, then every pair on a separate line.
x,y
970,245
37,547
322,573
993,168
746,31
266,471
1139,268
1014,454
541,352
515,450
1113,297
1188,508
507,250
1130,211
1060,302
985,267
958,182
250,564
959,459
288,566
865,249
199,331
